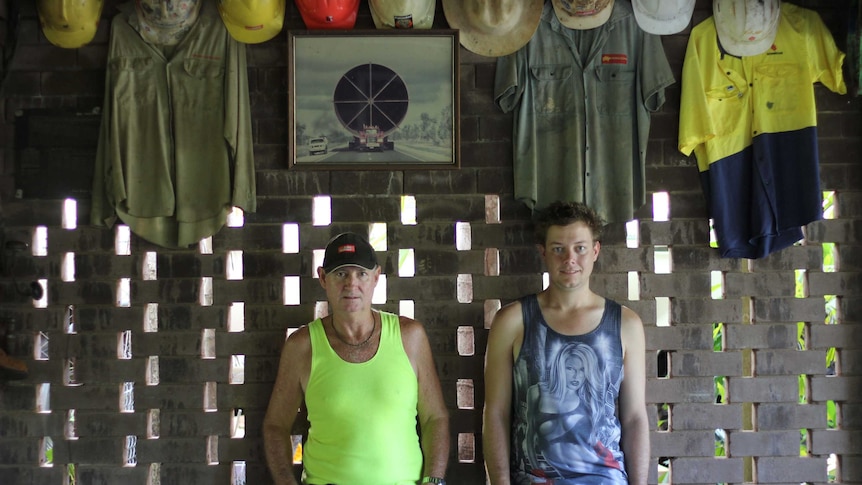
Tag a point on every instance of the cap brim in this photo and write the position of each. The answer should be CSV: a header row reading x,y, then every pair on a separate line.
x,y
746,49
69,40
420,21
491,42
254,35
583,22
350,264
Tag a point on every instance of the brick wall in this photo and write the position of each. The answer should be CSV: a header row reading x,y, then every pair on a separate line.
x,y
760,345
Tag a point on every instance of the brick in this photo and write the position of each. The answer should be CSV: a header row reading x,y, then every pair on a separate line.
x,y
469,208
433,287
787,470
848,255
689,337
707,470
170,396
842,284
667,179
789,362
389,183
486,154
19,452
842,442
178,369
760,336
788,310
790,416
97,425
709,416
836,388
760,284
104,370
699,310
29,424
840,176
100,473
681,389
72,83
196,473
191,424
764,443
851,362
789,259
700,258
622,259
434,182
674,284
705,363
683,443
763,389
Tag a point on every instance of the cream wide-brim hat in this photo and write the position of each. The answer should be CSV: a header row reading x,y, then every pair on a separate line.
x,y
494,29
402,14
583,14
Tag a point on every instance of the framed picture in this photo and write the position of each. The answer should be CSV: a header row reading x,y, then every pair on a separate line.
x,y
380,99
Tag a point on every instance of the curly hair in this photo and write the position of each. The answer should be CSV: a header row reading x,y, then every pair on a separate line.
x,y
563,213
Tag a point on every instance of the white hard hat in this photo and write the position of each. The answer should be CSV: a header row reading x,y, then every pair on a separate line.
x,y
746,27
402,14
663,17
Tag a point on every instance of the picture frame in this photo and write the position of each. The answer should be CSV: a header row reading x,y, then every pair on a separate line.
x,y
373,99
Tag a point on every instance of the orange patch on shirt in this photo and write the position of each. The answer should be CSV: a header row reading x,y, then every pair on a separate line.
x,y
615,59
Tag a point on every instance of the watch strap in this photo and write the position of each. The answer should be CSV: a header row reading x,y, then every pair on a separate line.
x,y
438,480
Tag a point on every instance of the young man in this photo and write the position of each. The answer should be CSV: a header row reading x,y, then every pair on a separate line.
x,y
557,365
365,377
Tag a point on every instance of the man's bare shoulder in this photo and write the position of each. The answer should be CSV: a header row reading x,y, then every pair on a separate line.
x,y
411,329
298,341
510,315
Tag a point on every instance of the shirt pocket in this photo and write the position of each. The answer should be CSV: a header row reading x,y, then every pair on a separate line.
x,y
134,80
726,108
779,85
615,91
553,91
202,87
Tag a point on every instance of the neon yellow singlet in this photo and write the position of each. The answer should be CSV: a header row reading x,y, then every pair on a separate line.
x,y
362,416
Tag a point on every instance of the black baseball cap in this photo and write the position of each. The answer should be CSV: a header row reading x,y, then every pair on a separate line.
x,y
348,249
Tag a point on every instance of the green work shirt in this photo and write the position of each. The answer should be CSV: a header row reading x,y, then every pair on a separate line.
x,y
175,148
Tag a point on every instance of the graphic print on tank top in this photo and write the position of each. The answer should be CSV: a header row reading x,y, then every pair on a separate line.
x,y
564,392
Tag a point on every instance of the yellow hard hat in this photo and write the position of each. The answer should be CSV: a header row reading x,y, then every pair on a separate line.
x,y
252,21
69,23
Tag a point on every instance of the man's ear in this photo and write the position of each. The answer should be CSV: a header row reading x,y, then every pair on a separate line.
x,y
597,248
541,249
321,275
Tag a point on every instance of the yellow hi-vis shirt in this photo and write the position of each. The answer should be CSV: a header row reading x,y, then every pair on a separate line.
x,y
362,416
751,123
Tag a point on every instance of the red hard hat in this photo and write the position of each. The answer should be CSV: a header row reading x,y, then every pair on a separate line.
x,y
328,14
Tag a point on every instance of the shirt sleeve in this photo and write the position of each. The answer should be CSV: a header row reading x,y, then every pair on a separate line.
x,y
237,128
825,59
509,81
655,72
694,121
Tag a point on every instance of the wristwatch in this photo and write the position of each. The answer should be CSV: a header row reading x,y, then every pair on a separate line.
x,y
438,480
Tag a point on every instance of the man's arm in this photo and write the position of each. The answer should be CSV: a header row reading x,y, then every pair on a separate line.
x,y
287,395
633,415
507,330
433,415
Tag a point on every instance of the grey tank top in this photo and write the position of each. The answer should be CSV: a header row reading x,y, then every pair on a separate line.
x,y
565,429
